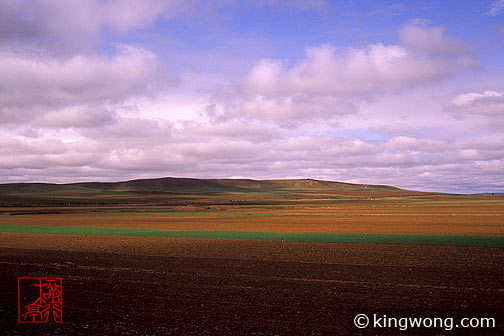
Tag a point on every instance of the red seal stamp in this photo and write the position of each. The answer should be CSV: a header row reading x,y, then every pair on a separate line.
x,y
40,300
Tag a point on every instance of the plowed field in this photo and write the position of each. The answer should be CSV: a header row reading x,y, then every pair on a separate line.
x,y
144,285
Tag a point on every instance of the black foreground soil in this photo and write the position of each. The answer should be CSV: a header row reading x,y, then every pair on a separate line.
x,y
222,292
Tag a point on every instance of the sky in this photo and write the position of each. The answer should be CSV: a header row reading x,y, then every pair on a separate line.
x,y
403,93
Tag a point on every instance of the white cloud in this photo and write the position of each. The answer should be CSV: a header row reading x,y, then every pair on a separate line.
x,y
72,110
489,103
75,117
69,26
418,36
143,148
124,15
230,129
409,144
397,128
496,8
330,82
32,86
295,4
289,110
424,56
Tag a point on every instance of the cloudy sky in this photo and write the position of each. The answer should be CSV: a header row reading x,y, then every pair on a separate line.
x,y
408,93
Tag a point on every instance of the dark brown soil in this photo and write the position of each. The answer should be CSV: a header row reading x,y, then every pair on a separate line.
x,y
160,286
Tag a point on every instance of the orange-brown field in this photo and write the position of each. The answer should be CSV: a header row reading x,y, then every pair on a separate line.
x,y
176,286
478,217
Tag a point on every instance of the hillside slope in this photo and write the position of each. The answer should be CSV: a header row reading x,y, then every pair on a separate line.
x,y
190,189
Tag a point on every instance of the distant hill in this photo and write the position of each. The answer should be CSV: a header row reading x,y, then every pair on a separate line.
x,y
187,185
171,189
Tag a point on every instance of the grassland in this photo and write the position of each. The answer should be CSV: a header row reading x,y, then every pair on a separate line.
x,y
395,239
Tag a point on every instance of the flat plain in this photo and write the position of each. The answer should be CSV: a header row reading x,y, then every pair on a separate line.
x,y
156,285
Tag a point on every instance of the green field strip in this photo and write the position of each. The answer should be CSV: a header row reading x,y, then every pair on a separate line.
x,y
360,238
